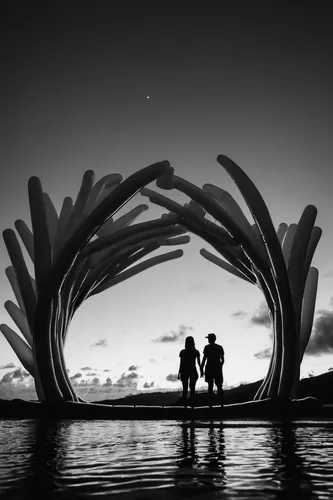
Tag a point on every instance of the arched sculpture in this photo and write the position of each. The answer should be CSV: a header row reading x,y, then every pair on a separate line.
x,y
276,262
70,266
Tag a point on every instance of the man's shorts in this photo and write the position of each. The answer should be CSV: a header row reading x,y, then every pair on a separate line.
x,y
214,377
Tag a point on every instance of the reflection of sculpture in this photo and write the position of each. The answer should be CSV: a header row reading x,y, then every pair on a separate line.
x,y
290,474
277,262
70,266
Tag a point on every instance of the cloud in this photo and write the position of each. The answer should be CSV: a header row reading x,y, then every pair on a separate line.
x,y
91,374
100,343
8,365
108,382
148,385
321,341
97,390
264,354
261,316
106,370
152,360
92,389
86,368
128,380
172,377
7,378
18,375
132,368
81,382
175,335
17,384
239,314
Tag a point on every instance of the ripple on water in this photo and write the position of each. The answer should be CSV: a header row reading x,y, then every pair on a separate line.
x,y
60,459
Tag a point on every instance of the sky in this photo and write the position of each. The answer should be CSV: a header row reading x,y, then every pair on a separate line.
x,y
116,88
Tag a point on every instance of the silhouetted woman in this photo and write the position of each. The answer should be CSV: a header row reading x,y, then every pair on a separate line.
x,y
187,367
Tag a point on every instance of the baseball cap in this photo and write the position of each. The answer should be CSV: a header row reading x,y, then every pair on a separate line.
x,y
211,336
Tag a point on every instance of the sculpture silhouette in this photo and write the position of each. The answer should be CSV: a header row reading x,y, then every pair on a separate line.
x,y
278,262
69,267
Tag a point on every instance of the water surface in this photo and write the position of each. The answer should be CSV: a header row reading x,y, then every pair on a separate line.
x,y
68,459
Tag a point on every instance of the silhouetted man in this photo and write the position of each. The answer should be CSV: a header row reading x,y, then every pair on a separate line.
x,y
213,356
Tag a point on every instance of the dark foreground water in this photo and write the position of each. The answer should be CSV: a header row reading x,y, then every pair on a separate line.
x,y
161,459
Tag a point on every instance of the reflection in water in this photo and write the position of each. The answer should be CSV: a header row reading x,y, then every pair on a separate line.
x,y
49,449
265,465
291,479
187,447
201,459
98,459
215,457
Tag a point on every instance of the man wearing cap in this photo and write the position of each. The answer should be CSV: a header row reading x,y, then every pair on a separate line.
x,y
213,356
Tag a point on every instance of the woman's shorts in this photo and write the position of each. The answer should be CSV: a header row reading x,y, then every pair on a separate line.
x,y
193,376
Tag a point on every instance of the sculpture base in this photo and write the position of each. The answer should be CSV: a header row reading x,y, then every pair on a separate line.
x,y
265,409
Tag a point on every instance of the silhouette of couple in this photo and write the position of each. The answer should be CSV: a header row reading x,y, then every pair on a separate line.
x,y
213,360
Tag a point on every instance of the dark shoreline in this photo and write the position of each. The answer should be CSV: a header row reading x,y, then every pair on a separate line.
x,y
265,409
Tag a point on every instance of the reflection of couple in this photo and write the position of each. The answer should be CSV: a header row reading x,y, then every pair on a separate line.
x,y
213,456
212,362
